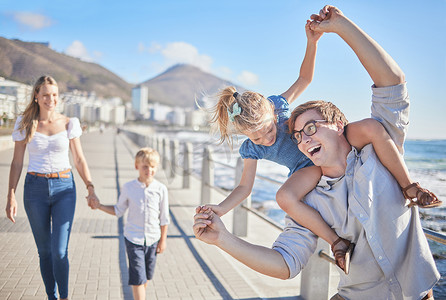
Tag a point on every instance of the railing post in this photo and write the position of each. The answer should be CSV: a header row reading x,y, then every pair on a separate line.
x,y
165,153
173,157
158,145
315,278
141,140
187,165
207,176
240,215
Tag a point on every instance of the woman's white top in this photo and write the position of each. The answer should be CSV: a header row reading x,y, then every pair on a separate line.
x,y
49,154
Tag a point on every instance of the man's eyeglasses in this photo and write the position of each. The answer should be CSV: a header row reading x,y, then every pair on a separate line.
x,y
309,129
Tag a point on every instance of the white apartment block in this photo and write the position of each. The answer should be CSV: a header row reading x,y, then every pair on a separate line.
x,y
14,96
140,95
196,118
90,109
177,116
117,115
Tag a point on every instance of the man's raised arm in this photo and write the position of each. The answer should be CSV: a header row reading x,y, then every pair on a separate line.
x,y
381,67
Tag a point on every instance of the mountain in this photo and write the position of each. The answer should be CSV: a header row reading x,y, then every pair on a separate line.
x,y
27,61
179,85
182,84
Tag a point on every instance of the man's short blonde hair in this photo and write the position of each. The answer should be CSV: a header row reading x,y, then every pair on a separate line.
x,y
147,155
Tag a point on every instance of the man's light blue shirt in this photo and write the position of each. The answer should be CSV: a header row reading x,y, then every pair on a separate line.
x,y
392,259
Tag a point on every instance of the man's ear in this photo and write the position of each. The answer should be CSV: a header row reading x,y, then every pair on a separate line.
x,y
136,166
340,127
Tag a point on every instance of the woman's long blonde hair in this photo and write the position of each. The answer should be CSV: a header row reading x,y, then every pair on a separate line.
x,y
255,108
30,117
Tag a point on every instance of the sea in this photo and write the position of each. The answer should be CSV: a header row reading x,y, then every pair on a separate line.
x,y
425,159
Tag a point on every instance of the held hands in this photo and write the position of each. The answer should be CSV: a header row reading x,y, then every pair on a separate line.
x,y
216,208
312,36
208,226
93,201
327,20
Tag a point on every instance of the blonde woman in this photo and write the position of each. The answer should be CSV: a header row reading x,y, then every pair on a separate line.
x,y
49,191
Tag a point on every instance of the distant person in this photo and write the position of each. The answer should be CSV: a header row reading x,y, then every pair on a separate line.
x,y
49,192
146,229
356,195
4,120
264,122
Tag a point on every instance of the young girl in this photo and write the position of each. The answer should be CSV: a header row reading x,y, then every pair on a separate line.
x,y
264,122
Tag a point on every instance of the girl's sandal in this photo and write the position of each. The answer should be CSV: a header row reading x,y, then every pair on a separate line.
x,y
424,198
343,253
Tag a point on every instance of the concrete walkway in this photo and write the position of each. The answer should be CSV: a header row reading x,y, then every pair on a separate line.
x,y
189,269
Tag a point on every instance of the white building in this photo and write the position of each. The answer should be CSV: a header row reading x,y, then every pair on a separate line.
x,y
90,112
90,109
16,96
74,110
8,106
140,95
105,110
117,115
159,112
196,118
177,116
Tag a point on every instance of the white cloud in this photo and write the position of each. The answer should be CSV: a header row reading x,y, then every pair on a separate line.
x,y
77,49
185,53
181,52
248,78
31,20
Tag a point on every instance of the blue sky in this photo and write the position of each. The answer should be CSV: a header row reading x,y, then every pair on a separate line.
x,y
257,44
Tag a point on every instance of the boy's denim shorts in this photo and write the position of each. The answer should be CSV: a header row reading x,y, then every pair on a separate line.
x,y
142,260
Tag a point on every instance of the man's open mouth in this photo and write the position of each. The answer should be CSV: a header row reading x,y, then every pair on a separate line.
x,y
314,150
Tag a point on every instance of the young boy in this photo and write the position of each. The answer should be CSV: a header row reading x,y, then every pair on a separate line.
x,y
145,231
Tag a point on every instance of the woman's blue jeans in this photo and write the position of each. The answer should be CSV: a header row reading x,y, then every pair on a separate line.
x,y
49,204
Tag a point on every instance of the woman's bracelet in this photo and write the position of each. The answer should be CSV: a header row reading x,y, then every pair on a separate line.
x,y
90,184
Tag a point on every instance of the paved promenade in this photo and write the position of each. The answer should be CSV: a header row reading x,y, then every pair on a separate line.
x,y
189,269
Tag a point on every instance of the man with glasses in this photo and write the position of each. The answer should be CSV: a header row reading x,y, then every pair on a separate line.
x,y
356,195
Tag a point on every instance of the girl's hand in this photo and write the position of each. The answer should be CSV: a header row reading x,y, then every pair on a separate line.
x,y
327,20
217,209
312,36
11,208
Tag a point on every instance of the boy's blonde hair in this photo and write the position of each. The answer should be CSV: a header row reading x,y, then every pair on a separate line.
x,y
147,155
253,107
